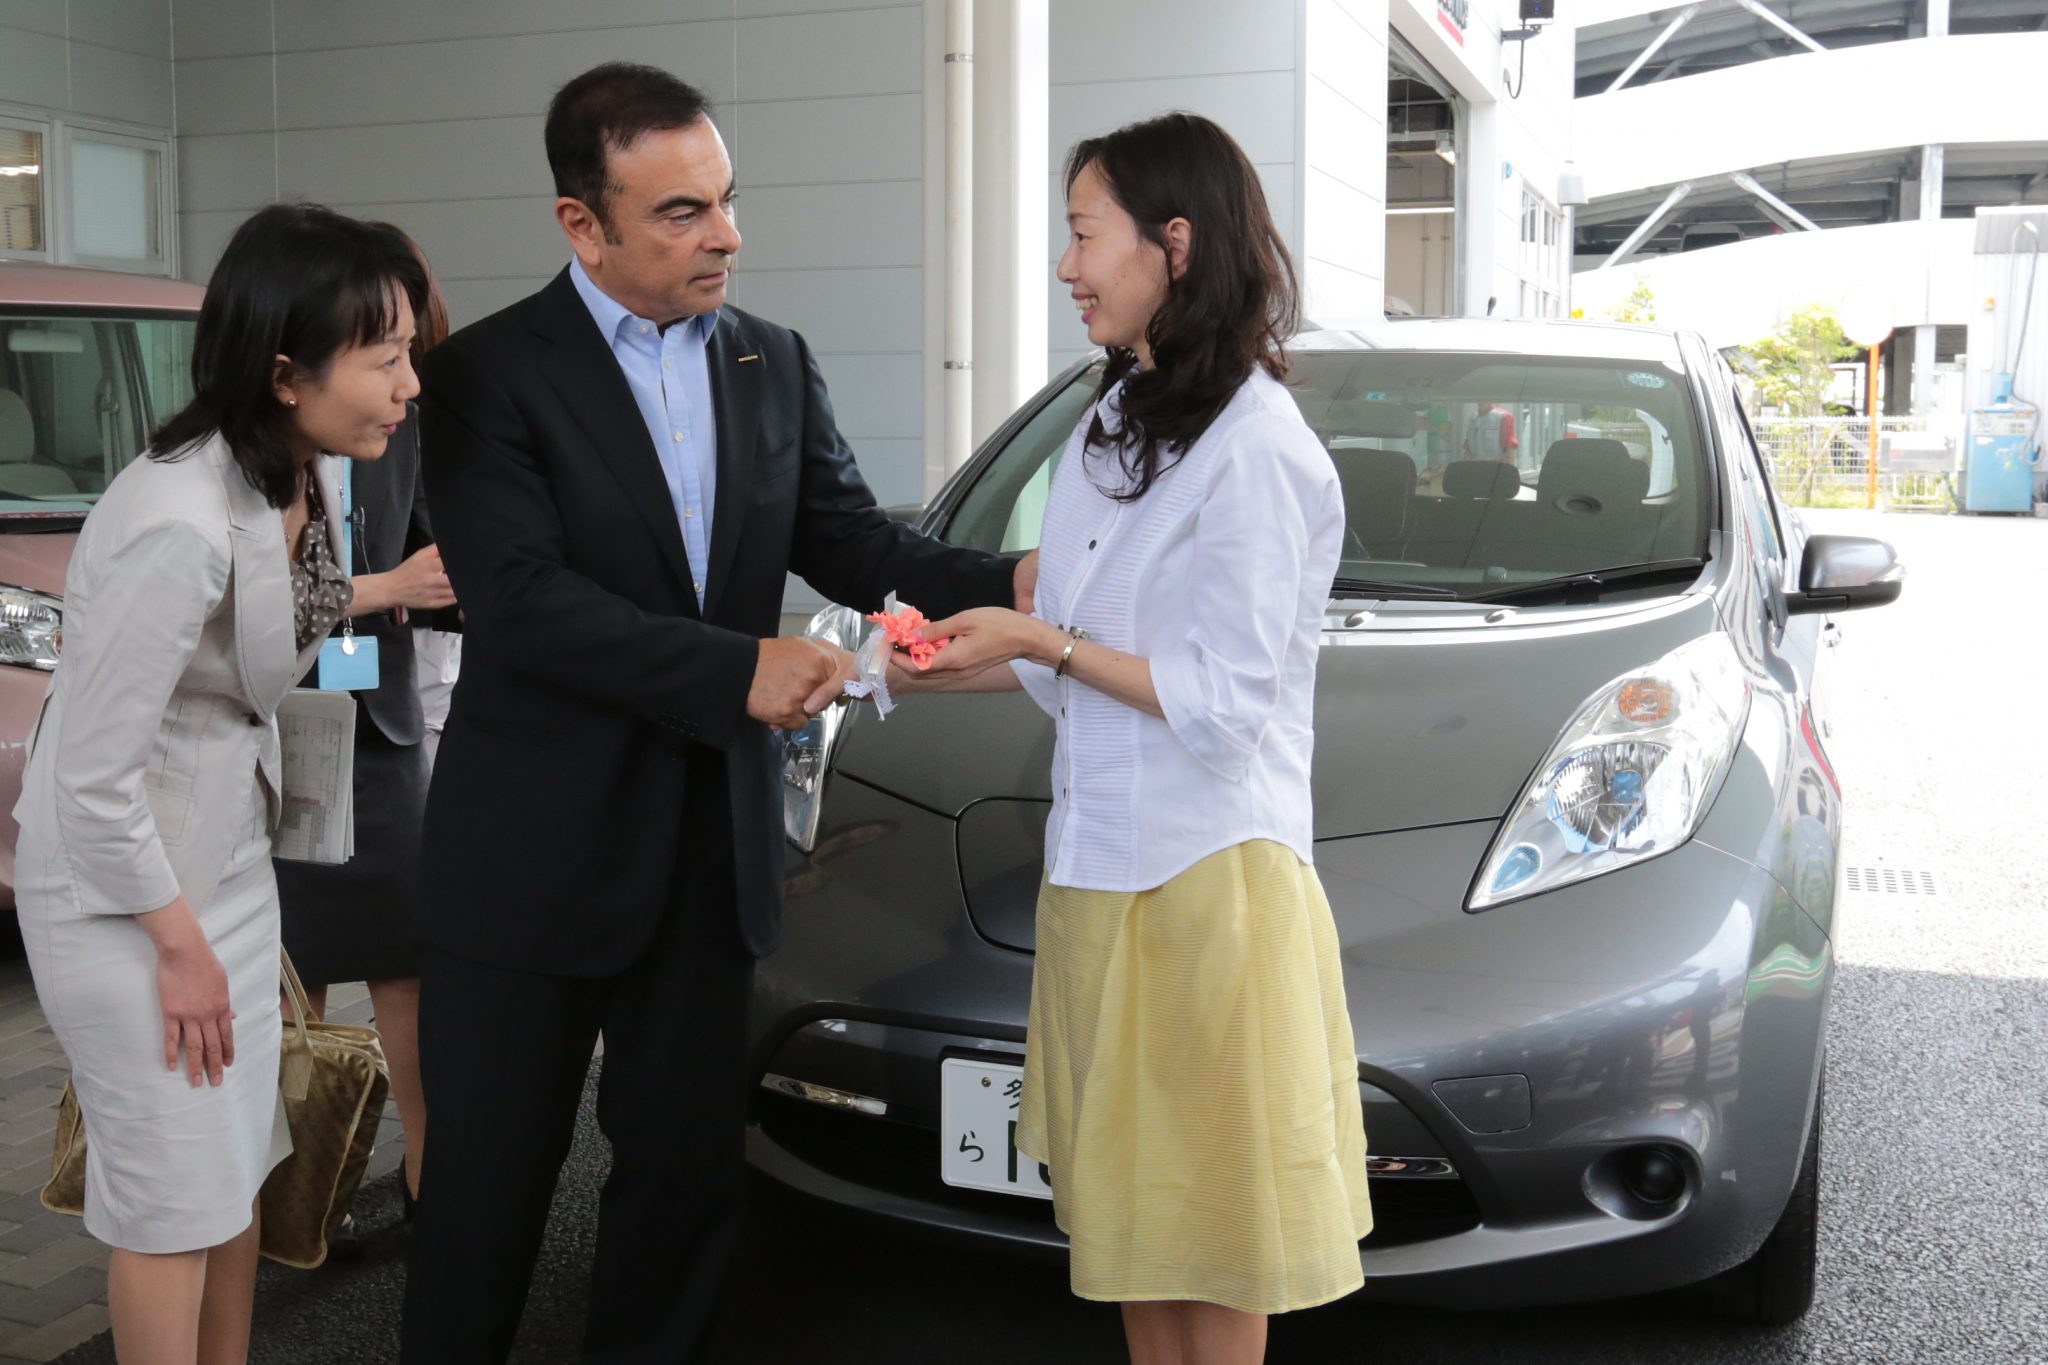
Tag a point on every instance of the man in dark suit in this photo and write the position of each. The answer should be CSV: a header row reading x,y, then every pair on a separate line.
x,y
622,470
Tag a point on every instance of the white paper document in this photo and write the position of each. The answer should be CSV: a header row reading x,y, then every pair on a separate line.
x,y
318,732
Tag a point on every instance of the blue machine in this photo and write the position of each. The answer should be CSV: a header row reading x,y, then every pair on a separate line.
x,y
2000,454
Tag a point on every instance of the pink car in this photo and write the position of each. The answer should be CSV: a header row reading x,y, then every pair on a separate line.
x,y
90,362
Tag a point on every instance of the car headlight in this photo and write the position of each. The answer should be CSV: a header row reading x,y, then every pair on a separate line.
x,y
1630,777
31,628
807,753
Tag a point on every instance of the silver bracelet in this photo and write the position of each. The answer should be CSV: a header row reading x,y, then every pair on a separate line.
x,y
1067,654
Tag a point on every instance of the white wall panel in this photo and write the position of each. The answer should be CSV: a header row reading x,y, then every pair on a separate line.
x,y
225,95
807,227
221,28
34,16
462,159
304,25
1256,108
113,84
809,142
142,27
229,171
840,311
33,69
813,56
484,77
1169,39
876,396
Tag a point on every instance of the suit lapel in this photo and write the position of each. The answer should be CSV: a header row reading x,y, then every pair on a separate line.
x,y
736,369
264,650
582,369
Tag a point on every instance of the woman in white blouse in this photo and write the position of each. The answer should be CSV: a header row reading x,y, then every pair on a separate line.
x,y
1190,1079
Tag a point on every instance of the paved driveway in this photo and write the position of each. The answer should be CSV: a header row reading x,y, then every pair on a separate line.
x,y
1934,1239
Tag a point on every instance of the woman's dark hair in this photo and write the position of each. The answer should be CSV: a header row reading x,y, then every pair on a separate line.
x,y
1232,307
606,109
298,281
433,326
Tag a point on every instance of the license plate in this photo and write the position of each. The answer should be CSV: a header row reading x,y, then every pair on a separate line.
x,y
978,1129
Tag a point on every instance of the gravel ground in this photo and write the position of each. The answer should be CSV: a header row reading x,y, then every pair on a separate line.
x,y
1935,1183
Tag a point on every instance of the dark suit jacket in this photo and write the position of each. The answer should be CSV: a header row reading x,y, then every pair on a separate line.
x,y
589,676
390,524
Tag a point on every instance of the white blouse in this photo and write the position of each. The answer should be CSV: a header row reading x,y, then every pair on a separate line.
x,y
1220,576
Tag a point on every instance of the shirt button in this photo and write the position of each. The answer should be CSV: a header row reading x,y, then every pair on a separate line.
x,y
689,511
679,436
1091,544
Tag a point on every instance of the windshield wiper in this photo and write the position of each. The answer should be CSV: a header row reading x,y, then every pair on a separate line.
x,y
1590,582
1379,587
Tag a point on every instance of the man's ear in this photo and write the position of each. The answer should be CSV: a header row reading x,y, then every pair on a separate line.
x,y
582,228
1180,235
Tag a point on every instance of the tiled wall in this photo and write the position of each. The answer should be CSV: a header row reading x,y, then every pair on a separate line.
x,y
1236,62
102,59
429,115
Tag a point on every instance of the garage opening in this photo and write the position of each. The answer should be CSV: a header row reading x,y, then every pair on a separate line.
x,y
1425,137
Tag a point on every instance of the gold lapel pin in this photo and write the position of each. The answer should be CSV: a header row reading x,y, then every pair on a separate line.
x,y
745,358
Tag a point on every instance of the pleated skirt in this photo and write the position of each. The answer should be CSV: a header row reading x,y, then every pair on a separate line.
x,y
1191,1083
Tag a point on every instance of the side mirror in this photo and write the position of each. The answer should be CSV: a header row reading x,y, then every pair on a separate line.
x,y
1844,573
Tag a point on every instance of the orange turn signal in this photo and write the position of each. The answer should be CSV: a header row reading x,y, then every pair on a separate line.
x,y
1646,701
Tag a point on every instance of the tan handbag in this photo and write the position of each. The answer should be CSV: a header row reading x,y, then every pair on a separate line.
x,y
334,1082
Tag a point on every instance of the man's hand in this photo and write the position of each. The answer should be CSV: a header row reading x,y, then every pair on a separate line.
x,y
788,674
1026,583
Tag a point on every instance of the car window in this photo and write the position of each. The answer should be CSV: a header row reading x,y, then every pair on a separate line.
x,y
1464,471
1005,509
79,397
1460,472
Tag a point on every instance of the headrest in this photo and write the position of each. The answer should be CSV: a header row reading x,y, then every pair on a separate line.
x,y
1590,476
1487,479
1377,486
17,429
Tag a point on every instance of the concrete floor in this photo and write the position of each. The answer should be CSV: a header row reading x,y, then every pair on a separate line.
x,y
1935,1182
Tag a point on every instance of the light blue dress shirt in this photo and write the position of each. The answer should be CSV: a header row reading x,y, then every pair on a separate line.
x,y
670,376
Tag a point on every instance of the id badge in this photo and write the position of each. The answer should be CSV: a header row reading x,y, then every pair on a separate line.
x,y
348,663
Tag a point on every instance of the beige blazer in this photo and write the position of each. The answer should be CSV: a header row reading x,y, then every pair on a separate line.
x,y
161,715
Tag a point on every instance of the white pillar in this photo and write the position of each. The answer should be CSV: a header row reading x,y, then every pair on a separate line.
x,y
959,200
1480,205
1012,46
1932,172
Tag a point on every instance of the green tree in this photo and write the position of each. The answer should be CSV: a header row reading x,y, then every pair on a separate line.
x,y
1793,372
1639,306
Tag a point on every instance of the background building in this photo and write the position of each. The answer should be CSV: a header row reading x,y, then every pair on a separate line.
x,y
1412,155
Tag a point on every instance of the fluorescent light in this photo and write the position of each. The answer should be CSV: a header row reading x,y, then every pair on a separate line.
x,y
1448,153
1409,209
21,170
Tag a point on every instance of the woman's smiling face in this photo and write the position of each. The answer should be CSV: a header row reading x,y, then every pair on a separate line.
x,y
1118,277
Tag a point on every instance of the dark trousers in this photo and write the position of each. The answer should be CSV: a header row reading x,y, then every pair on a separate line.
x,y
504,1056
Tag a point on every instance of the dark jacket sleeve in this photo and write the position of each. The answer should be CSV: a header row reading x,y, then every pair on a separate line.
x,y
847,547
419,534
503,542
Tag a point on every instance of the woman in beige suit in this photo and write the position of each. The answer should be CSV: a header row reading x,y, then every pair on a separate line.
x,y
202,586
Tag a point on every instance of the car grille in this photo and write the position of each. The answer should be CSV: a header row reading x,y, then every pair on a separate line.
x,y
902,1159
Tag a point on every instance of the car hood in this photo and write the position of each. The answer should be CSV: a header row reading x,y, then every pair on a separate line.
x,y
1425,715
35,559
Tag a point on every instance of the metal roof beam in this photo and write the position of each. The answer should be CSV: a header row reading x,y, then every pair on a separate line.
x,y
1678,21
1763,12
1649,225
1780,212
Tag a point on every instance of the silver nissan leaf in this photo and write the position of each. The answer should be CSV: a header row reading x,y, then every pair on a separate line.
x,y
1574,813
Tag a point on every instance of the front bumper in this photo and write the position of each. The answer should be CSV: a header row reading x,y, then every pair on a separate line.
x,y
1677,1004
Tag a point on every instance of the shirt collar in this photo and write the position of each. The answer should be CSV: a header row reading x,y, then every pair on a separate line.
x,y
612,317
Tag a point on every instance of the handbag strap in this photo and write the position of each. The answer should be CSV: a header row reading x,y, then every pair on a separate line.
x,y
295,1059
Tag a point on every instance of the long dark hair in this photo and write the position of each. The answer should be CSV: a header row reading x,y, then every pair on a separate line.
x,y
1232,308
298,281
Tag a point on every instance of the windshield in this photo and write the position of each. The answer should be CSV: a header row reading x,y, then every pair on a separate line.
x,y
80,394
1462,474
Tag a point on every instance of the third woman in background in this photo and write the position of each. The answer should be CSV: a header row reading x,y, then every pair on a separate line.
x,y
354,922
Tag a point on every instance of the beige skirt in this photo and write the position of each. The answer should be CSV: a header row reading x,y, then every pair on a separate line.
x,y
1191,1082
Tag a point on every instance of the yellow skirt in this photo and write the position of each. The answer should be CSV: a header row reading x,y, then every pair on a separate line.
x,y
1191,1082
